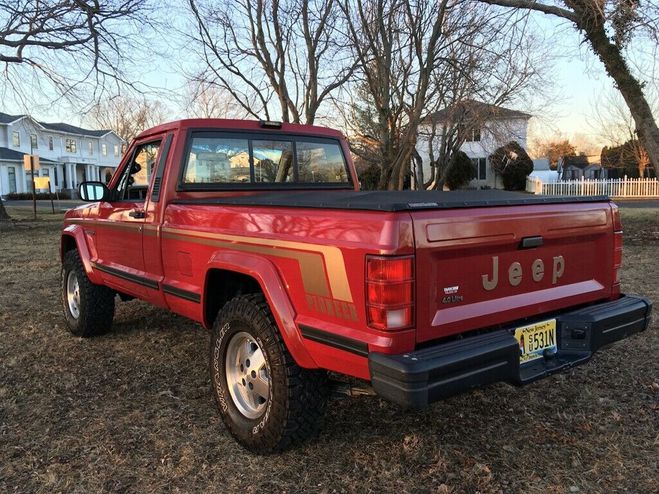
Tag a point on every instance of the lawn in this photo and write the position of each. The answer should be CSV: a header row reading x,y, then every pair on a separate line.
x,y
132,411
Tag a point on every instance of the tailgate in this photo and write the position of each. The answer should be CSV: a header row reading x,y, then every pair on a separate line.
x,y
483,267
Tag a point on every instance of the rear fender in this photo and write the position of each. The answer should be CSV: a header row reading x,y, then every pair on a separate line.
x,y
77,234
265,273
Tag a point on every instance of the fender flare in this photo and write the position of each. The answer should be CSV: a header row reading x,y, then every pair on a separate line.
x,y
77,233
266,275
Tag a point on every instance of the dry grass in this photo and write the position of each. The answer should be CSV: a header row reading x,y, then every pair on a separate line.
x,y
132,411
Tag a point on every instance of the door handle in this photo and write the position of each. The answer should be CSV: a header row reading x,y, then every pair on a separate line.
x,y
137,213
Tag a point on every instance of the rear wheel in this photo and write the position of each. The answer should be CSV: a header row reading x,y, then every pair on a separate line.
x,y
266,400
88,308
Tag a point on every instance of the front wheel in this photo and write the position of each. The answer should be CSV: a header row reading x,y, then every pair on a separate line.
x,y
266,400
88,308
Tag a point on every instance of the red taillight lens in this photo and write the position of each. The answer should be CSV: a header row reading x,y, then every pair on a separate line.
x,y
389,268
390,292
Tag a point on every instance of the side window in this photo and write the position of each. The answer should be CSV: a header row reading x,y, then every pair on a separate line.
x,y
273,161
217,160
135,177
320,163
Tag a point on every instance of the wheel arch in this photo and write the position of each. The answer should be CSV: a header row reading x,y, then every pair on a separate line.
x,y
253,274
73,238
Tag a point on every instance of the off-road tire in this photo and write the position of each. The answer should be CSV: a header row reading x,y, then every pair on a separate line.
x,y
297,397
96,307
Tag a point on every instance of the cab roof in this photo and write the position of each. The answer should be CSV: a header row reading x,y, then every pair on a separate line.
x,y
238,125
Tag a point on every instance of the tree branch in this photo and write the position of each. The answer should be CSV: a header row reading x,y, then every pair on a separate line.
x,y
537,6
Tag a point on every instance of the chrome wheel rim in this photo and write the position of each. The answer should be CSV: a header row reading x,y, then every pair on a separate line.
x,y
73,294
247,374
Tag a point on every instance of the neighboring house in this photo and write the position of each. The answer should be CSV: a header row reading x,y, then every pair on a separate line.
x,y
486,127
68,154
582,166
543,172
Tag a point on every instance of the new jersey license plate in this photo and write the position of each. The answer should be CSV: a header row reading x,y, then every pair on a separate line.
x,y
534,339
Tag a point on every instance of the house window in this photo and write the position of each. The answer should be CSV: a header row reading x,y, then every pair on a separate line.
x,y
90,146
480,164
473,135
50,143
104,149
34,143
16,139
70,146
116,150
11,172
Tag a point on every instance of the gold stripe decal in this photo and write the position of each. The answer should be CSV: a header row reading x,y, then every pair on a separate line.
x,y
314,259
311,263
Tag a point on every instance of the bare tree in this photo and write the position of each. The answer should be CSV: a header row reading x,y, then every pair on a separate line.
x,y
127,116
206,100
418,57
616,126
397,44
275,58
60,47
608,26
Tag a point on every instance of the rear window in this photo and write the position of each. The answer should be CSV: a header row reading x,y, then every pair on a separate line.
x,y
221,159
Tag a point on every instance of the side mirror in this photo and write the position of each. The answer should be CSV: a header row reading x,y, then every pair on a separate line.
x,y
94,191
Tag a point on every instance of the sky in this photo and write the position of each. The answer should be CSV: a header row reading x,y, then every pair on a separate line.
x,y
578,83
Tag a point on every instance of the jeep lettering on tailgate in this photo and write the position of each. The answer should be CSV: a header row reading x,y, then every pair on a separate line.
x,y
515,272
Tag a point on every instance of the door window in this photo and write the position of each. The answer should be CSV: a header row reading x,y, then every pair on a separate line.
x,y
135,177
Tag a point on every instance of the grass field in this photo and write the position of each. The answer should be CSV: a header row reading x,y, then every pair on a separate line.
x,y
132,411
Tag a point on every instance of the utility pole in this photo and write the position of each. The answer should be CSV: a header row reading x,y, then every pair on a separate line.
x,y
34,192
28,165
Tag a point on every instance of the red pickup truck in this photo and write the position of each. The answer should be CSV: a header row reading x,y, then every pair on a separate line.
x,y
258,231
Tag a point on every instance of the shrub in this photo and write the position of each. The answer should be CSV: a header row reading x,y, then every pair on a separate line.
x,y
513,164
460,171
369,177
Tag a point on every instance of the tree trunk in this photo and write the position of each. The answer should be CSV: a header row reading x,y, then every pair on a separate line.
x,y
3,212
629,87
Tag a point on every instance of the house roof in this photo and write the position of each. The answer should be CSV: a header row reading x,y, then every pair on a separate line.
x,y
5,118
582,161
72,129
57,127
7,154
470,109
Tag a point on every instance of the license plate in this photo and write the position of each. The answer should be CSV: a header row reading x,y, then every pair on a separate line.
x,y
534,339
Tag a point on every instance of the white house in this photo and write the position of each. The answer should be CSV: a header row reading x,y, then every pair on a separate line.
x,y
68,154
487,127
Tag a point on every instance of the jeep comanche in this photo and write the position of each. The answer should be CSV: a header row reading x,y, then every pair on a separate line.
x,y
258,231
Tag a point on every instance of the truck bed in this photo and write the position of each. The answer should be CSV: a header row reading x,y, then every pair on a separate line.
x,y
405,200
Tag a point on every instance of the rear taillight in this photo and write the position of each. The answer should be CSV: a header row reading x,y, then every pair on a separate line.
x,y
617,249
390,292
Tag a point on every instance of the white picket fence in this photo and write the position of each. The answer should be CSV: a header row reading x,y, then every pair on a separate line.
x,y
615,187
